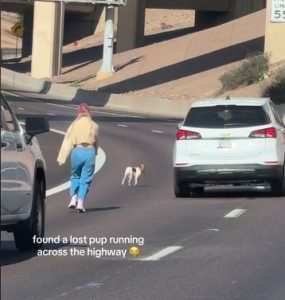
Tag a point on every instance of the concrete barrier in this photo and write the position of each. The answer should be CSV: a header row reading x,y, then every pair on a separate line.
x,y
37,88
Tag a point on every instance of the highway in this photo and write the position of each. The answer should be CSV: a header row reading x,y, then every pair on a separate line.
x,y
226,244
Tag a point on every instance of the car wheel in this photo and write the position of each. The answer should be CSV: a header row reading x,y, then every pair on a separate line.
x,y
181,190
278,187
34,226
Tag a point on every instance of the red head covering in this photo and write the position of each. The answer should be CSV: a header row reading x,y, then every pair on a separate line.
x,y
83,108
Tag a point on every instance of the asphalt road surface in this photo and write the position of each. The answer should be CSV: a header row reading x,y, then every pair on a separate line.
x,y
191,250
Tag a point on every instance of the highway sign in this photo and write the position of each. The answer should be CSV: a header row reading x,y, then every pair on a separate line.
x,y
18,29
278,11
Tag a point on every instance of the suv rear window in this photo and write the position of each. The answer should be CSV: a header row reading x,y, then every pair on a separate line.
x,y
226,116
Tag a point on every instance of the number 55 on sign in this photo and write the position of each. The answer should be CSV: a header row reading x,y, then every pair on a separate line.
x,y
278,11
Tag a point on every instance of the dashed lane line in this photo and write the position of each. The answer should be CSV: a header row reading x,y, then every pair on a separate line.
x,y
122,125
236,213
162,253
157,131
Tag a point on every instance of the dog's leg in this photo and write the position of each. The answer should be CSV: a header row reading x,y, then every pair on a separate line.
x,y
125,176
136,179
123,181
130,178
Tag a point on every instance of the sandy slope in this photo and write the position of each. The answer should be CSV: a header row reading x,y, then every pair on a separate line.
x,y
184,67
176,63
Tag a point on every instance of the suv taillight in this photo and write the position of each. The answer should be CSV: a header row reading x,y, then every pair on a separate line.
x,y
264,133
187,135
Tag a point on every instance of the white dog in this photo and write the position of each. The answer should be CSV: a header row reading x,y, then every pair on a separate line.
x,y
133,171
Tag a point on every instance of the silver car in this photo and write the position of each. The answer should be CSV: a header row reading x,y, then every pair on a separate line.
x,y
23,179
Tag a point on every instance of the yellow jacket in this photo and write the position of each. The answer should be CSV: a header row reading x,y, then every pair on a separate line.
x,y
81,130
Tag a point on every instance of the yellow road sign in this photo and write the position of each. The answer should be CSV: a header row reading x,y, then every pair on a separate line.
x,y
18,29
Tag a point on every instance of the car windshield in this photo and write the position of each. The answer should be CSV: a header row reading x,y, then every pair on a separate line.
x,y
226,116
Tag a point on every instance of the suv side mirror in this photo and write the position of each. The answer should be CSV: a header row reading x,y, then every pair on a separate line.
x,y
36,125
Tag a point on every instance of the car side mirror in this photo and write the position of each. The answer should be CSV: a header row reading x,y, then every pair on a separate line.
x,y
35,126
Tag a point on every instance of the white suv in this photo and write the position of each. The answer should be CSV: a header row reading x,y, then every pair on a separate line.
x,y
23,179
228,141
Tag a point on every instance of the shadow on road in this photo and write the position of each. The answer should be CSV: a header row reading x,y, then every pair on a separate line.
x,y
249,193
10,255
97,209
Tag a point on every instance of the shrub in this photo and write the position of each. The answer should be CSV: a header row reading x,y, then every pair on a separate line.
x,y
276,91
253,69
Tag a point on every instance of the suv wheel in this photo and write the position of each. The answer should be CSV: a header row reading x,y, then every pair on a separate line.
x,y
34,226
181,190
278,187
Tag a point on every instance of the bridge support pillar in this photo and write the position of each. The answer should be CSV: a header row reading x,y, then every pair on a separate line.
x,y
28,34
47,39
131,19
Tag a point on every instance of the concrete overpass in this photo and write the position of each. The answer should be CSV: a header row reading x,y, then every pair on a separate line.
x,y
83,20
43,21
208,13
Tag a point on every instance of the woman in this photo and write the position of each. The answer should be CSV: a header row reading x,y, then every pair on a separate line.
x,y
81,140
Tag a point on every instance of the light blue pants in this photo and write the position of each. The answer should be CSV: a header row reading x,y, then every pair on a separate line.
x,y
82,170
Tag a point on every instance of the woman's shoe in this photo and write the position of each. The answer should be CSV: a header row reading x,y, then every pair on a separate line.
x,y
80,207
73,202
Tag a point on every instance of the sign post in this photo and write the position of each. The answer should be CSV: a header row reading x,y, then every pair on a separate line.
x,y
278,11
107,68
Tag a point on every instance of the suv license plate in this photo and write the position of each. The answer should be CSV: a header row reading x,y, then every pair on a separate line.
x,y
225,144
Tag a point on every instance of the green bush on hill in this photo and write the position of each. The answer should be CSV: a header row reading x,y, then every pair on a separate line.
x,y
276,90
253,69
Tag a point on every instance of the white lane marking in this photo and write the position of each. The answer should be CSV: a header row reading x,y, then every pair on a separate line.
x,y
157,131
213,229
162,253
50,114
57,131
100,160
20,108
235,213
121,125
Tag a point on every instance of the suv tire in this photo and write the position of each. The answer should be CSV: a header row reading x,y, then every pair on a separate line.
x,y
181,190
278,187
34,225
